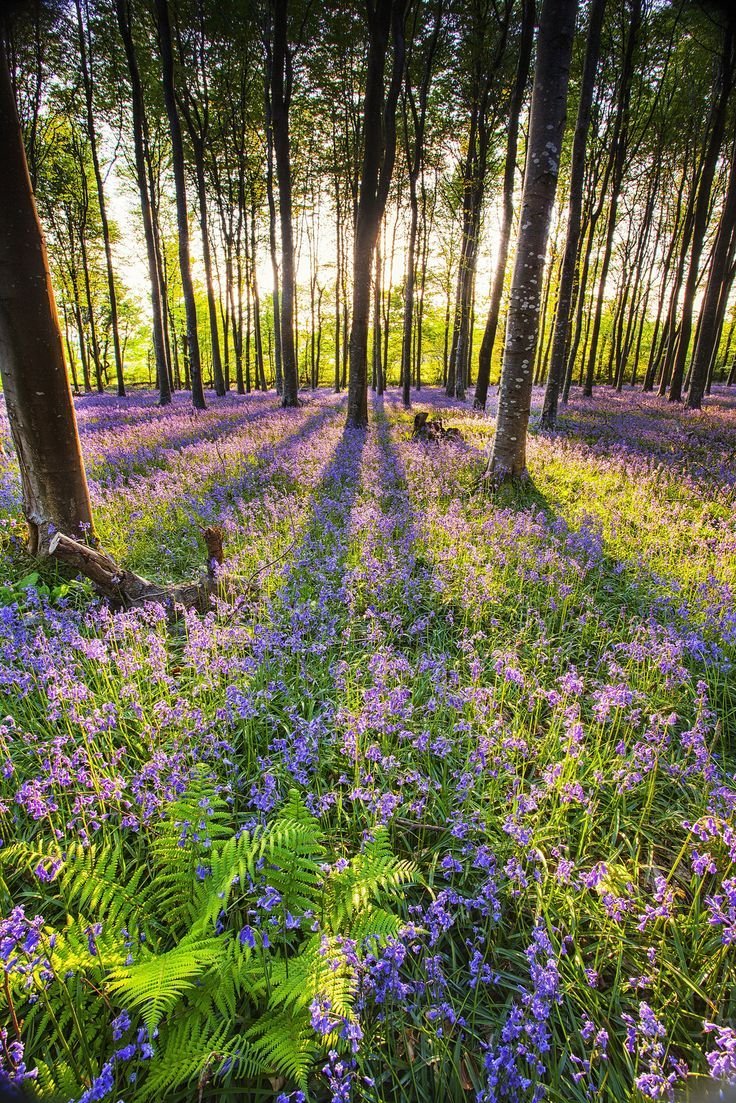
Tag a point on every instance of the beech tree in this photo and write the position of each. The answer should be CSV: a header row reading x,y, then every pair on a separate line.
x,y
546,128
37,392
385,21
574,216
158,306
280,65
177,152
526,41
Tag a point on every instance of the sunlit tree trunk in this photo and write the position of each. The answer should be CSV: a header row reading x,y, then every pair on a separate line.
x,y
123,13
517,98
574,216
546,128
86,69
702,210
619,149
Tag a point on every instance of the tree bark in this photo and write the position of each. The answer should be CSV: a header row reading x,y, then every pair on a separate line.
x,y
517,98
182,219
86,67
620,144
281,86
702,208
122,10
546,129
717,283
574,216
34,378
379,151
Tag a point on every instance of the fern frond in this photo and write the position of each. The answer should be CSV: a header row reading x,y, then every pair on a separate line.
x,y
156,985
285,1044
94,880
186,1051
374,871
318,970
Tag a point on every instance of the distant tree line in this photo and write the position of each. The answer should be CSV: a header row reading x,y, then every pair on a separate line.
x,y
393,150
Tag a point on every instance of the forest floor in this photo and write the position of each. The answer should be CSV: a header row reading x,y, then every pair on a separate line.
x,y
439,806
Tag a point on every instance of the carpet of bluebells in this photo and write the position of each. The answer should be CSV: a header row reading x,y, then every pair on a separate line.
x,y
533,692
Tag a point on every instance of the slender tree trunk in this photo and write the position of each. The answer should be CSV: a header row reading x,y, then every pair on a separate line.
x,y
86,68
702,208
517,99
561,331
709,328
620,145
546,129
217,370
122,11
338,268
90,312
377,373
182,219
34,378
379,150
281,83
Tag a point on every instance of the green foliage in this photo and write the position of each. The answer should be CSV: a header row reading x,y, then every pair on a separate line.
x,y
169,943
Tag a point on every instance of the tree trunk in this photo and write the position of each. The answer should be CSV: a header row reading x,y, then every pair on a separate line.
x,y
182,219
217,371
377,373
34,378
517,99
92,135
546,129
620,145
714,296
574,216
379,150
122,11
702,208
281,84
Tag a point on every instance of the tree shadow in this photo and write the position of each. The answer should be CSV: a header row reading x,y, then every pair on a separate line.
x,y
270,465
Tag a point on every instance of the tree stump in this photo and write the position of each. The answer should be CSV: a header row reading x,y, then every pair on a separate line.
x,y
426,428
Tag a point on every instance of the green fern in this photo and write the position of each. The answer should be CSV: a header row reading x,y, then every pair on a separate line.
x,y
371,873
225,1014
155,985
286,1044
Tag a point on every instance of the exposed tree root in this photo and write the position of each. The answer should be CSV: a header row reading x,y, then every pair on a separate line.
x,y
128,590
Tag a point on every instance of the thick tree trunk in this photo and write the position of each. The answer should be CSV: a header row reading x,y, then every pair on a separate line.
x,y
182,219
122,11
379,150
35,383
574,216
546,129
517,99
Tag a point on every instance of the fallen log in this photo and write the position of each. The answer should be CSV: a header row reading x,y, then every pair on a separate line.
x,y
127,589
